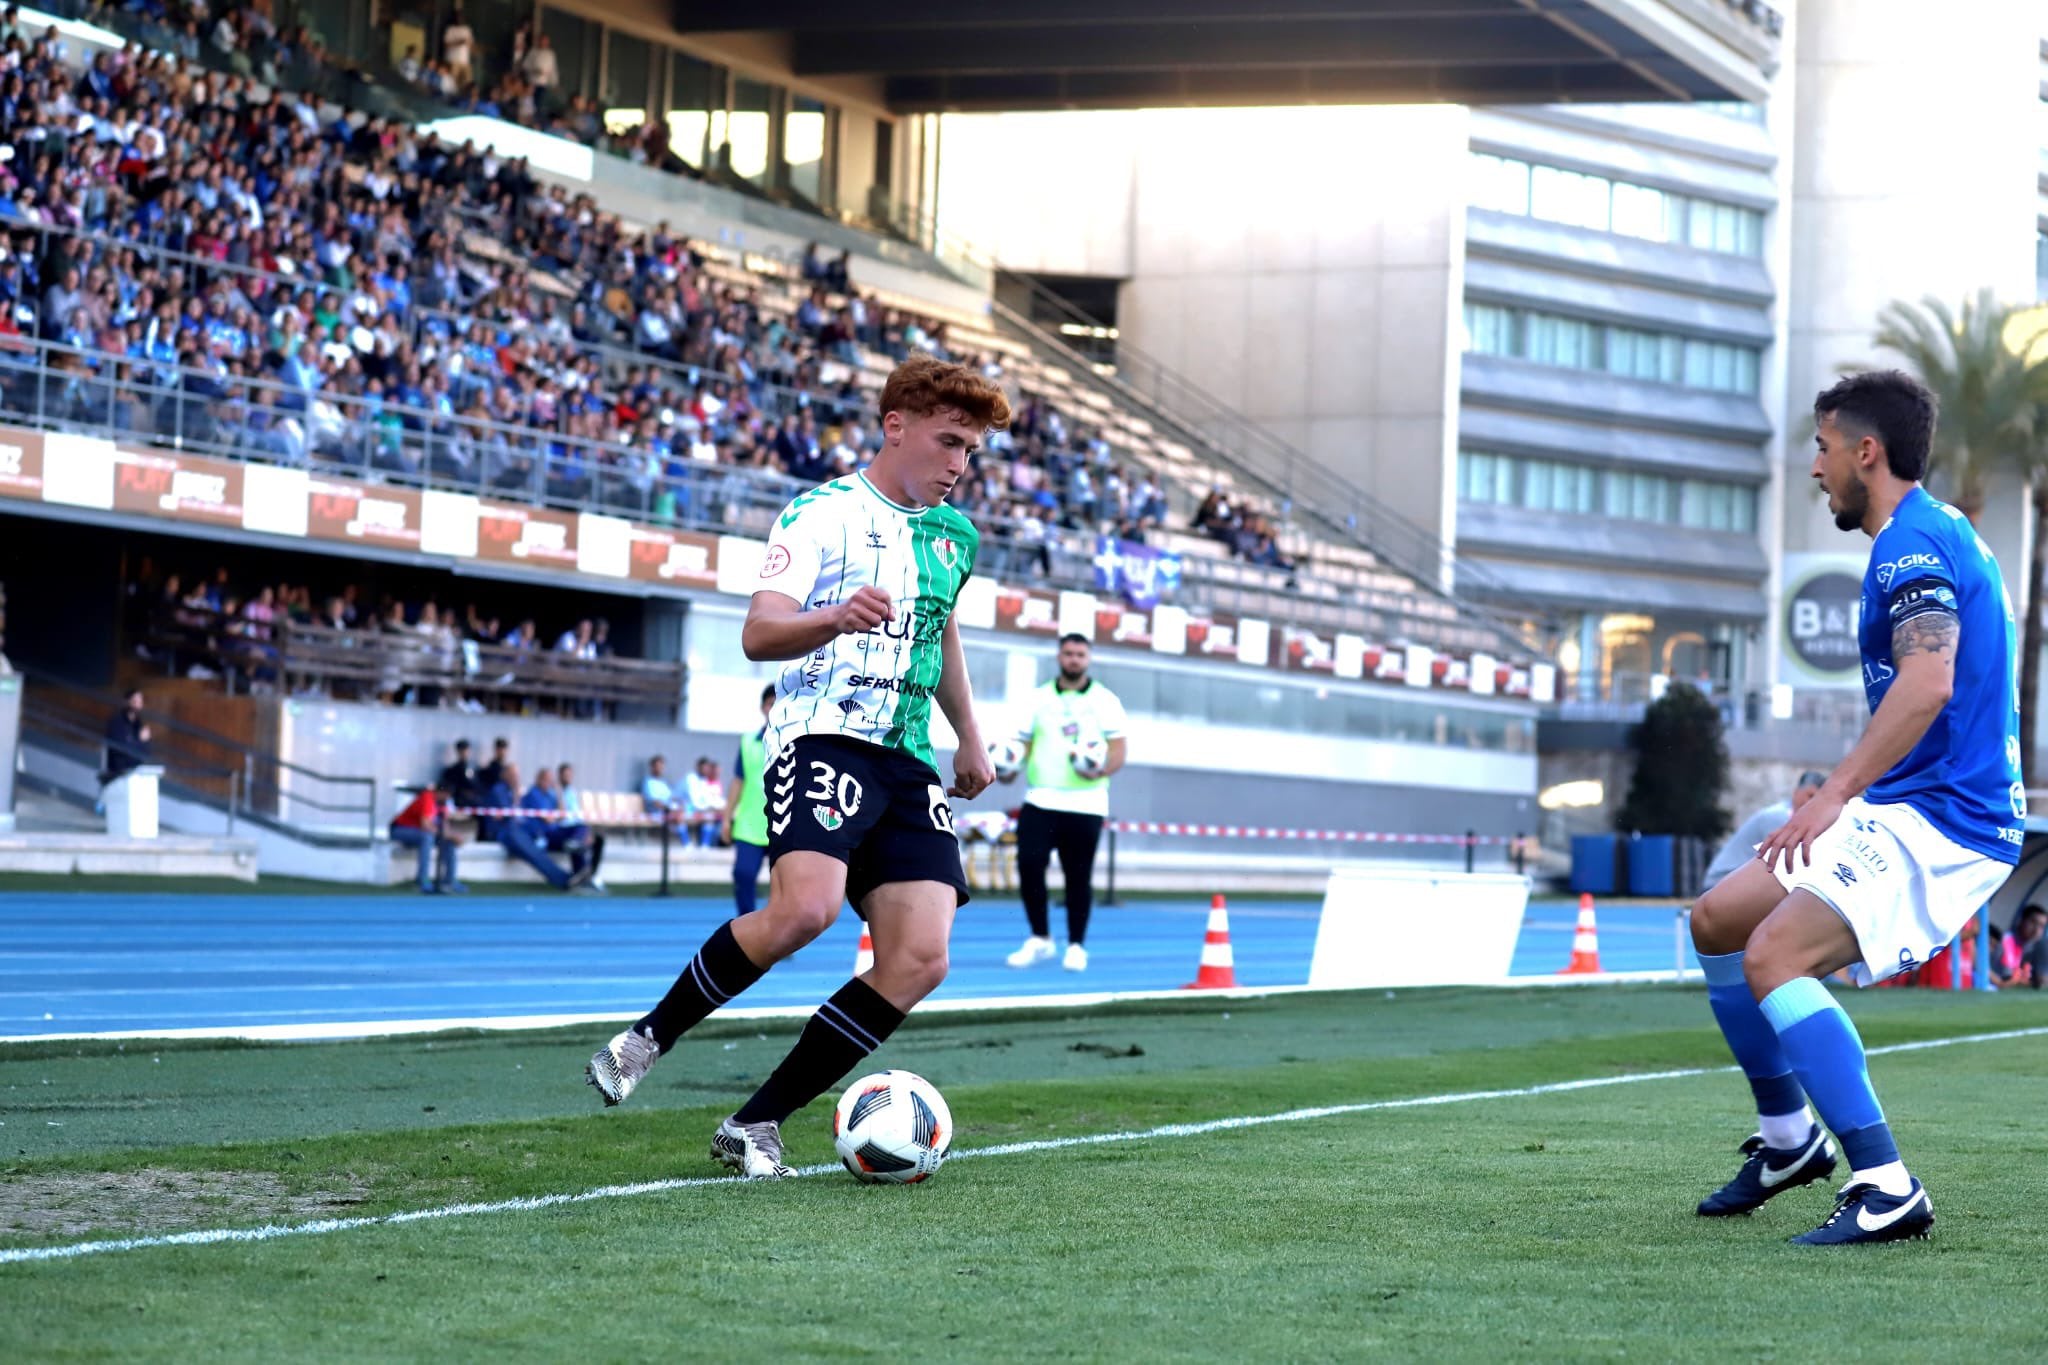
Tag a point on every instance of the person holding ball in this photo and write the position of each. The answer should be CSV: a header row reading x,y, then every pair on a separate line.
x,y
1073,744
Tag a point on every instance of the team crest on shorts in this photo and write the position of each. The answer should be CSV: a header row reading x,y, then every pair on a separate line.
x,y
829,817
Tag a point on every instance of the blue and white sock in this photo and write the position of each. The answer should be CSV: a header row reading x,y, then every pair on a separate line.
x,y
1827,1055
1781,1114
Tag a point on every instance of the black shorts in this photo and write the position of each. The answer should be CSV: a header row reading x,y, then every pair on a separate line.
x,y
880,811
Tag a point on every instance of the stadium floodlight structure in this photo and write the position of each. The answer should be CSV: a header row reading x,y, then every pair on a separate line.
x,y
979,55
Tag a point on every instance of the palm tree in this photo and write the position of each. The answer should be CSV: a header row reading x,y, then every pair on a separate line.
x,y
1987,367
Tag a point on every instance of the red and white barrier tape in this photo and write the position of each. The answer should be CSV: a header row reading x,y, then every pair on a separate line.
x,y
522,813
1339,836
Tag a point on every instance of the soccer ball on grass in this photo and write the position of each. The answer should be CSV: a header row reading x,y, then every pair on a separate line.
x,y
892,1128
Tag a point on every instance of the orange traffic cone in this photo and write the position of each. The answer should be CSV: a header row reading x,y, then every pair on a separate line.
x,y
1585,941
864,956
1218,968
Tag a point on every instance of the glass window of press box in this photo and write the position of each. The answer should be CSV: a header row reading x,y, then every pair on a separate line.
x,y
696,93
628,80
748,132
579,51
719,121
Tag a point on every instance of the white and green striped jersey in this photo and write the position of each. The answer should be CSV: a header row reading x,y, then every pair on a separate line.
x,y
829,544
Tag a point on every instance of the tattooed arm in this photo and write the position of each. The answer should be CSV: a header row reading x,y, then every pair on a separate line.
x,y
1924,639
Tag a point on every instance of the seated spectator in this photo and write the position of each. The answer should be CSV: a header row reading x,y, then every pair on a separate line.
x,y
656,796
493,772
2022,956
421,827
520,836
704,801
584,845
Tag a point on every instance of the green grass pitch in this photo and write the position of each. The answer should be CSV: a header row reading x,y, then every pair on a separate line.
x,y
1543,1226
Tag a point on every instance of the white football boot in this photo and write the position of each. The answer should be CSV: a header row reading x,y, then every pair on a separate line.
x,y
752,1149
620,1065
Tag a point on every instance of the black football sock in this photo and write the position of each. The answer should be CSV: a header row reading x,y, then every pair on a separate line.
x,y
719,971
846,1028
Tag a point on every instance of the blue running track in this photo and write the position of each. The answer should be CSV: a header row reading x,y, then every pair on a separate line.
x,y
88,963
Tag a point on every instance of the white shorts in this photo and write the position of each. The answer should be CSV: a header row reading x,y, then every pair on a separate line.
x,y
1903,887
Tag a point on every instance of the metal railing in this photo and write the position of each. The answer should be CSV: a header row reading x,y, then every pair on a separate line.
x,y
620,364
298,657
243,781
48,385
46,727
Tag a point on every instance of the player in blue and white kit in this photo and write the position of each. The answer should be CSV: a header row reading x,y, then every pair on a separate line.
x,y
1908,837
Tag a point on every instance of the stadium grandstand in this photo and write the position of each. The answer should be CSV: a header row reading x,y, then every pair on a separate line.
x,y
226,271
399,398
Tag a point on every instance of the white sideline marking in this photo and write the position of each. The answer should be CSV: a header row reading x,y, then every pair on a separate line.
x,y
271,1232
335,1030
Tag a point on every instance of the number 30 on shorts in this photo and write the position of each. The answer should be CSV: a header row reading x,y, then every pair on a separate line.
x,y
942,814
828,783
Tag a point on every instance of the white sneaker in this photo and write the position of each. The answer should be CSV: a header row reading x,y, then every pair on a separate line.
x,y
619,1065
754,1149
1034,951
1076,959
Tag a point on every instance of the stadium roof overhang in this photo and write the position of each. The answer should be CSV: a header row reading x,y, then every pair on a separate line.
x,y
973,55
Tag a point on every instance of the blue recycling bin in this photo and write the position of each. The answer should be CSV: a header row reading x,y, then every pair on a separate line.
x,y
1594,864
1653,865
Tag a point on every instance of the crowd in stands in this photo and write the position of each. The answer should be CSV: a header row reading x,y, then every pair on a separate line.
x,y
208,625
343,290
534,822
1247,532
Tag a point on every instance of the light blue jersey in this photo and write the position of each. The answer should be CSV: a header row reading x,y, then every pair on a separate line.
x,y
1964,774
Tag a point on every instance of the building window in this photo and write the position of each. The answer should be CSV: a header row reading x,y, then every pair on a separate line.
x,y
626,86
695,90
1575,344
1586,490
576,51
1500,184
749,130
1600,204
806,134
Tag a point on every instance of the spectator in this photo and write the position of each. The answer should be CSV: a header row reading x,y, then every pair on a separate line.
x,y
128,739
577,641
571,797
458,49
493,772
1741,845
459,782
584,847
656,796
2022,957
421,826
521,836
540,67
704,798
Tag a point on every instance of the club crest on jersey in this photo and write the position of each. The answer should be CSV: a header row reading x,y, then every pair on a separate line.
x,y
828,817
948,551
